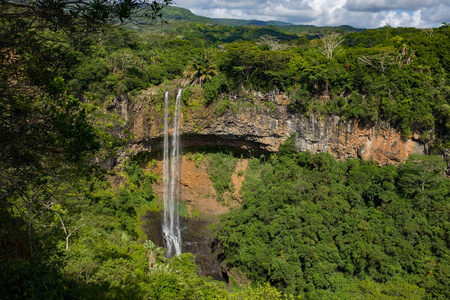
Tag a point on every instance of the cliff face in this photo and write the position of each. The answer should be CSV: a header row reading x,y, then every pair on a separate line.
x,y
260,128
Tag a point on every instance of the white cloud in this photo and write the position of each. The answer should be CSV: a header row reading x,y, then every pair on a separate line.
x,y
379,5
357,13
437,14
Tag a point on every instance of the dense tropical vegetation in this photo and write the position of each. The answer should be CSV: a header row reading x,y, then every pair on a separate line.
x,y
398,75
308,225
325,229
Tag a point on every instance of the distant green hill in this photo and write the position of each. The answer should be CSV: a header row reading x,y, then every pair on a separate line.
x,y
315,30
183,14
179,13
241,22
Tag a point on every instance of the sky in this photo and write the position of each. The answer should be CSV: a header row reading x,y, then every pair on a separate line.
x,y
357,13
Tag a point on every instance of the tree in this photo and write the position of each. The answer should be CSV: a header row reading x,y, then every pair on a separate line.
x,y
201,70
240,60
428,31
44,143
48,138
154,254
330,43
381,61
66,14
271,42
422,178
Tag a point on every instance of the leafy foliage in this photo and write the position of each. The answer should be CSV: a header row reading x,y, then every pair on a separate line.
x,y
83,15
201,70
398,75
309,225
220,168
313,226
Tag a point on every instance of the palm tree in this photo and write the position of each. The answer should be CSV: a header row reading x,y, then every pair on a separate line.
x,y
155,254
201,70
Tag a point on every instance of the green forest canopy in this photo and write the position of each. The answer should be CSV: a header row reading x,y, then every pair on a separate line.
x,y
351,230
398,75
325,229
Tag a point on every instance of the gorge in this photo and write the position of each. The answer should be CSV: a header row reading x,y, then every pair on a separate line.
x,y
276,172
254,130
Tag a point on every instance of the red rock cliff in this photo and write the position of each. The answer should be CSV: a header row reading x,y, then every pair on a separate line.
x,y
260,128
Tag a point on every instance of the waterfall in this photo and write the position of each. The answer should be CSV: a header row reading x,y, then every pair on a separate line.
x,y
171,173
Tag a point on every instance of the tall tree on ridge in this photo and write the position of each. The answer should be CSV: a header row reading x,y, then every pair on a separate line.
x,y
201,70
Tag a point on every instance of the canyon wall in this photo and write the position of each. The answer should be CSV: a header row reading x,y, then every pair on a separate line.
x,y
263,127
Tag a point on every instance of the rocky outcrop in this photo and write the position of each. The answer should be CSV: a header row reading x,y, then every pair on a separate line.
x,y
262,129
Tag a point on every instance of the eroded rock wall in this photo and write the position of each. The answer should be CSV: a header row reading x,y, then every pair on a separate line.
x,y
260,128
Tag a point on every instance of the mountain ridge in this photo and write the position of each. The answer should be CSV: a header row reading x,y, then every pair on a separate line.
x,y
184,14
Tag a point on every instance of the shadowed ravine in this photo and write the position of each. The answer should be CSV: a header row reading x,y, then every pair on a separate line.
x,y
196,239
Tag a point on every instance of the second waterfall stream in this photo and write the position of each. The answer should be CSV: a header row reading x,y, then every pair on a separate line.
x,y
171,173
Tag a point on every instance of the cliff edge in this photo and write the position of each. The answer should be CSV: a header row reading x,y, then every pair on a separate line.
x,y
262,127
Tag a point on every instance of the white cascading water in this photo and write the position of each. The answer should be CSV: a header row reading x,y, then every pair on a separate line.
x,y
171,173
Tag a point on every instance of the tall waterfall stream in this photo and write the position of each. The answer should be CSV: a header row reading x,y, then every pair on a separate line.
x,y
171,173
195,237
